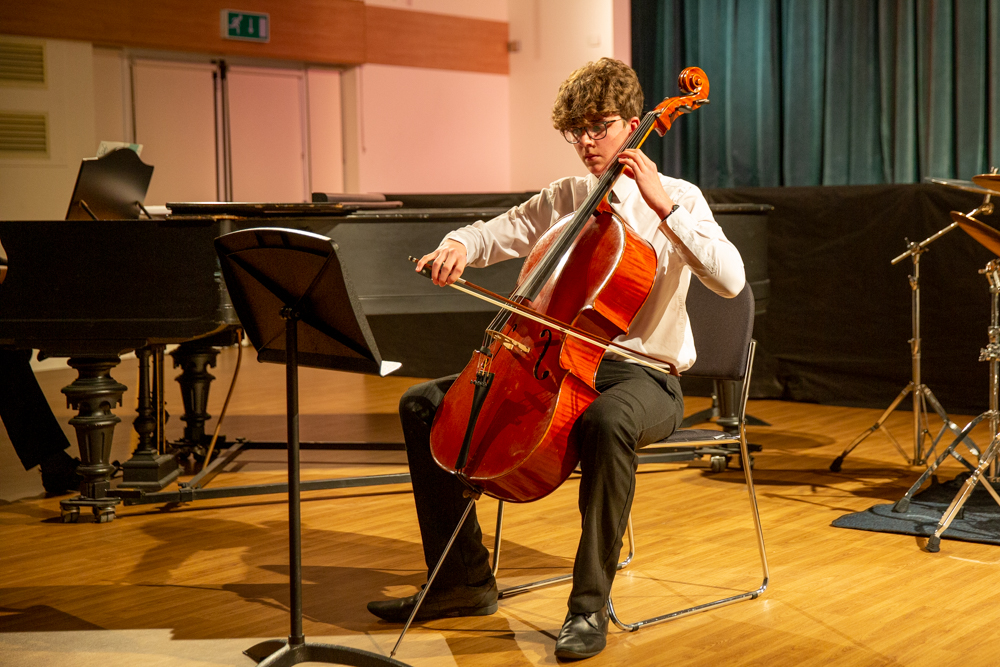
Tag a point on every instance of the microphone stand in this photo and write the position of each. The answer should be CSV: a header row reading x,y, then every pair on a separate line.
x,y
922,394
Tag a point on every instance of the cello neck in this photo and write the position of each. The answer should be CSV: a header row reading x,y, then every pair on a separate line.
x,y
693,82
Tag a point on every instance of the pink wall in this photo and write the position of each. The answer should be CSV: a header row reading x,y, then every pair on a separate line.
x,y
421,130
326,143
425,130
555,37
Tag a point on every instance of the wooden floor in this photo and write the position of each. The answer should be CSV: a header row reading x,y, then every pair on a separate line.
x,y
199,583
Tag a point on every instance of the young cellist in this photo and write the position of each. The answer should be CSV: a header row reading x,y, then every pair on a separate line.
x,y
596,109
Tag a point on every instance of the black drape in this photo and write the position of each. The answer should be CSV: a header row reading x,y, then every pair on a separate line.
x,y
838,324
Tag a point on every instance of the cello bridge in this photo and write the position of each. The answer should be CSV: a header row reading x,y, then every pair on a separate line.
x,y
507,341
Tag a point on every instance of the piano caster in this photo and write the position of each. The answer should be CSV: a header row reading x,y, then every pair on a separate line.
x,y
104,514
103,509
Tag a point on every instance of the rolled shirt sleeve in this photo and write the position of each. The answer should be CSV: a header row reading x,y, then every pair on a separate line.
x,y
514,233
703,246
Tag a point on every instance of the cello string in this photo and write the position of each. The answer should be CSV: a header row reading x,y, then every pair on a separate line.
x,y
533,283
540,273
571,331
479,292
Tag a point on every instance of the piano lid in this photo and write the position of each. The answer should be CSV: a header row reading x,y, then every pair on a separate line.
x,y
274,209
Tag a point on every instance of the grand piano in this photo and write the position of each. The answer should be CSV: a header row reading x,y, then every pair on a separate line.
x,y
433,331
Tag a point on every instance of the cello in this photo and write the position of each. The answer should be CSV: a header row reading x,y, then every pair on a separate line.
x,y
504,426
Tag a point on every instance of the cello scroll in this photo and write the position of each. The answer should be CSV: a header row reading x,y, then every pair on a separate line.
x,y
694,83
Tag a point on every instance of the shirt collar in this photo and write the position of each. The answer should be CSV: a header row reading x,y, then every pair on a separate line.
x,y
623,189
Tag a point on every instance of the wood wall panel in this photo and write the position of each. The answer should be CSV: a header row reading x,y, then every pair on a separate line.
x,y
322,31
436,41
64,19
336,32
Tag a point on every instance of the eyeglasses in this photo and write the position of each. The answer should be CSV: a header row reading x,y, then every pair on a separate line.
x,y
595,131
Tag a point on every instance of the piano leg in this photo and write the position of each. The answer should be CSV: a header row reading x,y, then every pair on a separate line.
x,y
94,394
150,468
194,359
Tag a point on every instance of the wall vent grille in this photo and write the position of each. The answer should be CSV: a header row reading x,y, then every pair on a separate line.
x,y
22,63
23,134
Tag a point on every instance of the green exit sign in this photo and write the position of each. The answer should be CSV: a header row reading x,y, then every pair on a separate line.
x,y
249,26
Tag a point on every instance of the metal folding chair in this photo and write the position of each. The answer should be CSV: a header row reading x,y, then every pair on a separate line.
x,y
722,331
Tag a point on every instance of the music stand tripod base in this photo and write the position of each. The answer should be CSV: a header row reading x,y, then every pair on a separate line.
x,y
275,653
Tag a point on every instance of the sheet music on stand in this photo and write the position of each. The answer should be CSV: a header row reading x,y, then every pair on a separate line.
x,y
111,187
333,332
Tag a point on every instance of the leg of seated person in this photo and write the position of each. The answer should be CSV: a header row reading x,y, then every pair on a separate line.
x,y
464,585
636,407
33,429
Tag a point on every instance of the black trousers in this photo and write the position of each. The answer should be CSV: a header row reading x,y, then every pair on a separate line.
x,y
636,407
26,415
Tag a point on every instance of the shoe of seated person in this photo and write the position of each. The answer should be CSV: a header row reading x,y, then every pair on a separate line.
x,y
583,635
478,600
59,474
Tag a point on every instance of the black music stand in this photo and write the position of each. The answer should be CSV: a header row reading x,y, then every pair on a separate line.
x,y
298,306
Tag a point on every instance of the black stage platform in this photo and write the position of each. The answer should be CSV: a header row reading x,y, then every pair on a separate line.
x,y
838,320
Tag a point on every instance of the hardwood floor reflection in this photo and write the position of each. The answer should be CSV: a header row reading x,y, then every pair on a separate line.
x,y
198,583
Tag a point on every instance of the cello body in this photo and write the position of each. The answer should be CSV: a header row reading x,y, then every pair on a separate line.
x,y
521,448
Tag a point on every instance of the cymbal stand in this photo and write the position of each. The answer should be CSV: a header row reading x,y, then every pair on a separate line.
x,y
922,394
990,353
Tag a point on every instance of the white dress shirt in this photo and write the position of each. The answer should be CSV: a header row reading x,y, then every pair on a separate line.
x,y
661,328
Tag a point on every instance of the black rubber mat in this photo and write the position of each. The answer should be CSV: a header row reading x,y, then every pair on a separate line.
x,y
981,522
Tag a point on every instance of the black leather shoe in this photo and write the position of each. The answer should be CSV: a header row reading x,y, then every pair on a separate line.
x,y
59,474
441,603
583,635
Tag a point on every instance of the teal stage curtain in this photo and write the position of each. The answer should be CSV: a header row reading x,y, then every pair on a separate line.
x,y
825,92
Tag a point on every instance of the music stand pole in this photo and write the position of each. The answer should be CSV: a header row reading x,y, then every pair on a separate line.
x,y
295,636
296,649
289,288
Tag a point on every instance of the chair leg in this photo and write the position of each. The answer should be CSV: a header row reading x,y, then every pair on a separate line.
x,y
552,581
748,474
749,595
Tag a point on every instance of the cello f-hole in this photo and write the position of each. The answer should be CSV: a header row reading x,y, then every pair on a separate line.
x,y
547,335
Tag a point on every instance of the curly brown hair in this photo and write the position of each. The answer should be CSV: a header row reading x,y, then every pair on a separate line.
x,y
598,89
